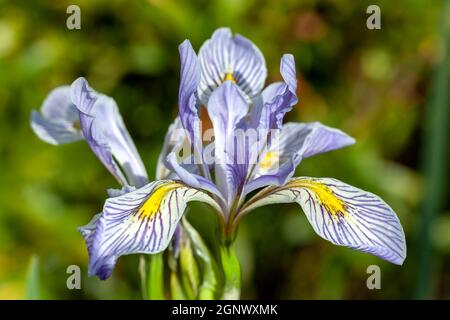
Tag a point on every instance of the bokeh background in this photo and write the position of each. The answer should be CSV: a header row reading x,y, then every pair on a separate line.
x,y
388,88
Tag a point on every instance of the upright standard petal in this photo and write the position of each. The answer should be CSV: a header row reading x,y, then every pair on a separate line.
x,y
342,214
294,142
187,101
106,134
227,109
58,120
142,221
279,97
227,57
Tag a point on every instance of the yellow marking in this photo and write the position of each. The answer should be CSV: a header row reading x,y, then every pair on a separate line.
x,y
153,203
77,125
229,76
325,195
269,160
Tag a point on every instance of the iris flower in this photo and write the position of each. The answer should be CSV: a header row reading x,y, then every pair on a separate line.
x,y
250,162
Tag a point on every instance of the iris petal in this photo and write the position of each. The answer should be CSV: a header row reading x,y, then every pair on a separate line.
x,y
106,134
187,101
141,221
227,57
185,169
227,109
342,214
188,173
279,97
295,142
57,122
175,135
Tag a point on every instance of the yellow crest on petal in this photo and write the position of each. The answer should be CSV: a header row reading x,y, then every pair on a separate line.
x,y
269,160
324,194
152,205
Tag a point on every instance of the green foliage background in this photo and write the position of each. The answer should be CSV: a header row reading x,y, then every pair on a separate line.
x,y
374,84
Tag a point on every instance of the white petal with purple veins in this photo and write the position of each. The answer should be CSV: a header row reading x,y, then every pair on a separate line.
x,y
141,221
342,214
228,57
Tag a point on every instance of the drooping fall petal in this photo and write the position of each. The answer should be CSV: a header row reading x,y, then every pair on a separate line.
x,y
342,214
141,221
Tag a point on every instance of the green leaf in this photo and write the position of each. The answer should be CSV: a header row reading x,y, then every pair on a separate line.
x,y
434,161
33,287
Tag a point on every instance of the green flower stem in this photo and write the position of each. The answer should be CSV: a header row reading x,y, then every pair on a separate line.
x,y
155,278
232,273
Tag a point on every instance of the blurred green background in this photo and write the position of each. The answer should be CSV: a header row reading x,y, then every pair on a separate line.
x,y
387,88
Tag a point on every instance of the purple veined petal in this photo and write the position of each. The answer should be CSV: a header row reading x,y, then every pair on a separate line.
x,y
118,192
187,169
188,172
58,120
342,214
87,232
228,57
288,72
279,97
319,138
175,135
175,140
106,134
227,109
141,221
274,178
187,101
295,142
